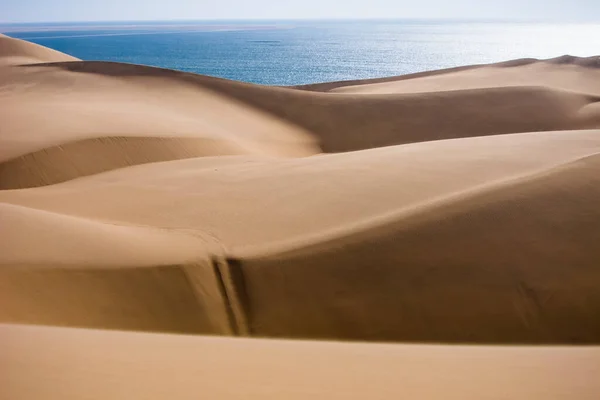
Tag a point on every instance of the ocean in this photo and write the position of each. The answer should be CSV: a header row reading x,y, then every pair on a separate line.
x,y
300,52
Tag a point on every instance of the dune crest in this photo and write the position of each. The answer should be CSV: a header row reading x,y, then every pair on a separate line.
x,y
18,52
577,74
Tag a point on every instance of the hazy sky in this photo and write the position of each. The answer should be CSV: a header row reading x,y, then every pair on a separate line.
x,y
106,10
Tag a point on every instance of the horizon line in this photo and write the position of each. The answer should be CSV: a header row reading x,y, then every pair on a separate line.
x,y
323,19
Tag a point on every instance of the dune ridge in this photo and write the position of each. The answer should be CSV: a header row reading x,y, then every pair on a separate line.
x,y
544,72
105,244
16,52
92,156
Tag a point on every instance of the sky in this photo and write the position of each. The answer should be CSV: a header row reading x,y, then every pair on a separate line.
x,y
137,10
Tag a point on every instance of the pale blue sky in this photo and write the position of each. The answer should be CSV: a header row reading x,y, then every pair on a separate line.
x,y
129,10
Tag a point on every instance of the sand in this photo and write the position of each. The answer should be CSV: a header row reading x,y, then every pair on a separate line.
x,y
19,52
455,206
65,364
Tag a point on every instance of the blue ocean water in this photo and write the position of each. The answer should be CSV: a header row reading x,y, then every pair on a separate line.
x,y
299,52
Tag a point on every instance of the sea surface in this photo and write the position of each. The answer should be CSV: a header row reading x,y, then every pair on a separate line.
x,y
299,52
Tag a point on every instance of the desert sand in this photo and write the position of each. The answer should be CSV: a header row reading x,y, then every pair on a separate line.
x,y
458,206
92,364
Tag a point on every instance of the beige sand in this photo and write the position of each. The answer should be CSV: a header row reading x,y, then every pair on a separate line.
x,y
64,120
566,73
17,52
70,364
464,198
59,125
460,206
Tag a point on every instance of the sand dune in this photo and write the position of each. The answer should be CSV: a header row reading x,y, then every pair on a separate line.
x,y
387,209
87,239
255,194
17,52
460,206
73,364
515,264
160,115
60,125
569,73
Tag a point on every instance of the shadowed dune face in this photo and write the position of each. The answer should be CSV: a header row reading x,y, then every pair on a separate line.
x,y
519,263
142,299
462,205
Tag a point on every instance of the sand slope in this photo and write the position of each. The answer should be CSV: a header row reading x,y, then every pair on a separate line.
x,y
116,115
59,125
516,264
339,122
17,52
564,73
461,206
99,365
356,261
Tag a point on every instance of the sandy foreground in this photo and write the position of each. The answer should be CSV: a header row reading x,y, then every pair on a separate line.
x,y
459,206
59,363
